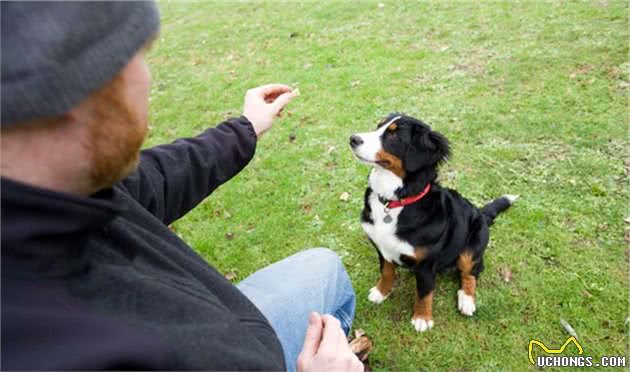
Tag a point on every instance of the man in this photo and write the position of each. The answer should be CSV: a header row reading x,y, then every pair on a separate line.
x,y
92,278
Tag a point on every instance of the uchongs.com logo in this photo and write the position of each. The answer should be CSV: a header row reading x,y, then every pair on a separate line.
x,y
555,359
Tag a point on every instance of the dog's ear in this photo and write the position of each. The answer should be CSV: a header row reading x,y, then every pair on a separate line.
x,y
426,149
441,148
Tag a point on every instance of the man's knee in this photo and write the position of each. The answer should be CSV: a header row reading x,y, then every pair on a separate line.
x,y
325,253
322,258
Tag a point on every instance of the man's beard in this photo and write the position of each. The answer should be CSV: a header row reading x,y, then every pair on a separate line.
x,y
116,136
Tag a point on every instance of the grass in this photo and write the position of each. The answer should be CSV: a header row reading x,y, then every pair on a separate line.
x,y
533,97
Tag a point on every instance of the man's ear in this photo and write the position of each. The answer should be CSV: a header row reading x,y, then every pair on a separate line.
x,y
428,149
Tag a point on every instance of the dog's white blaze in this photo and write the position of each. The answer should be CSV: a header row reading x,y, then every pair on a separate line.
x,y
372,142
465,303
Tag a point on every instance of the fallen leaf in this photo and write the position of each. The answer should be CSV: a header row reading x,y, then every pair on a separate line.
x,y
330,150
229,235
361,346
230,275
506,274
450,175
627,220
567,327
355,83
344,197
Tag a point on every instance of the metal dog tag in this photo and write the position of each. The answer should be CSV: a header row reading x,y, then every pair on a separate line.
x,y
387,218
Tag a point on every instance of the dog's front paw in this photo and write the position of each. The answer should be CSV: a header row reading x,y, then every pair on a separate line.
x,y
465,303
421,325
376,296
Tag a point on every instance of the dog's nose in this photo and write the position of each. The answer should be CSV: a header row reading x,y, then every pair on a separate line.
x,y
355,141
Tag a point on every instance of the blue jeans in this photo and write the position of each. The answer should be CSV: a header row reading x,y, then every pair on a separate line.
x,y
287,291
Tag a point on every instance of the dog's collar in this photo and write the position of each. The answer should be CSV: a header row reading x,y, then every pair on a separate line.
x,y
389,204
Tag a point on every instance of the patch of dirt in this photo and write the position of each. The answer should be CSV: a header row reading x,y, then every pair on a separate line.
x,y
581,70
472,68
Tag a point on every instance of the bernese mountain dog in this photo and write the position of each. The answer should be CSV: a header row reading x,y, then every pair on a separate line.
x,y
413,221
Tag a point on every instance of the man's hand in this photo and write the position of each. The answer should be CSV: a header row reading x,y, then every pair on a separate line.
x,y
326,347
264,104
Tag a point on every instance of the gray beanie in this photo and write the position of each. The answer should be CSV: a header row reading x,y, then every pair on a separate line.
x,y
54,54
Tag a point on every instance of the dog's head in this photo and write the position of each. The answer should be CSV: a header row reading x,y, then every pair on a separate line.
x,y
402,145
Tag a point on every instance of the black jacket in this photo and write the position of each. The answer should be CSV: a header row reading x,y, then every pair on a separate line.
x,y
102,283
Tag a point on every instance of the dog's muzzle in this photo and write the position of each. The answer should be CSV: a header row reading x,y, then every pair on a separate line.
x,y
355,141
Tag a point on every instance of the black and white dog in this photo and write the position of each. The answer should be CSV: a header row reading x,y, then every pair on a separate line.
x,y
416,223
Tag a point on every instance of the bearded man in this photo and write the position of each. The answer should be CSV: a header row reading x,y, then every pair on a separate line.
x,y
92,277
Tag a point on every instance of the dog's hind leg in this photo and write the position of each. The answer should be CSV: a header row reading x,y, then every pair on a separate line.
x,y
469,270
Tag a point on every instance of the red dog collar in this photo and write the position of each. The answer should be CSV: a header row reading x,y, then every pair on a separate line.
x,y
410,200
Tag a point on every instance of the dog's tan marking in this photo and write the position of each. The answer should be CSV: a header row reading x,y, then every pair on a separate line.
x,y
423,307
386,282
465,265
420,253
391,162
392,127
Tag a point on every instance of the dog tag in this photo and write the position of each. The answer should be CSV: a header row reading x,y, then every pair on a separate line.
x,y
387,218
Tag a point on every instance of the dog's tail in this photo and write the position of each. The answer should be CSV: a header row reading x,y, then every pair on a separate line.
x,y
498,205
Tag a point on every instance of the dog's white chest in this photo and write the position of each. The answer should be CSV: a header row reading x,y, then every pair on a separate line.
x,y
384,234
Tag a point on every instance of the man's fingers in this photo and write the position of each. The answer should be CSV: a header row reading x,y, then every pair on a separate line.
x,y
271,89
282,101
330,338
313,335
343,341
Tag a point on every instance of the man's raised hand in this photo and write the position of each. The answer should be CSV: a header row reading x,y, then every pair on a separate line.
x,y
263,104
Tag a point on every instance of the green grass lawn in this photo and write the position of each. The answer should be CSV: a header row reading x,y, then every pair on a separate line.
x,y
533,98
